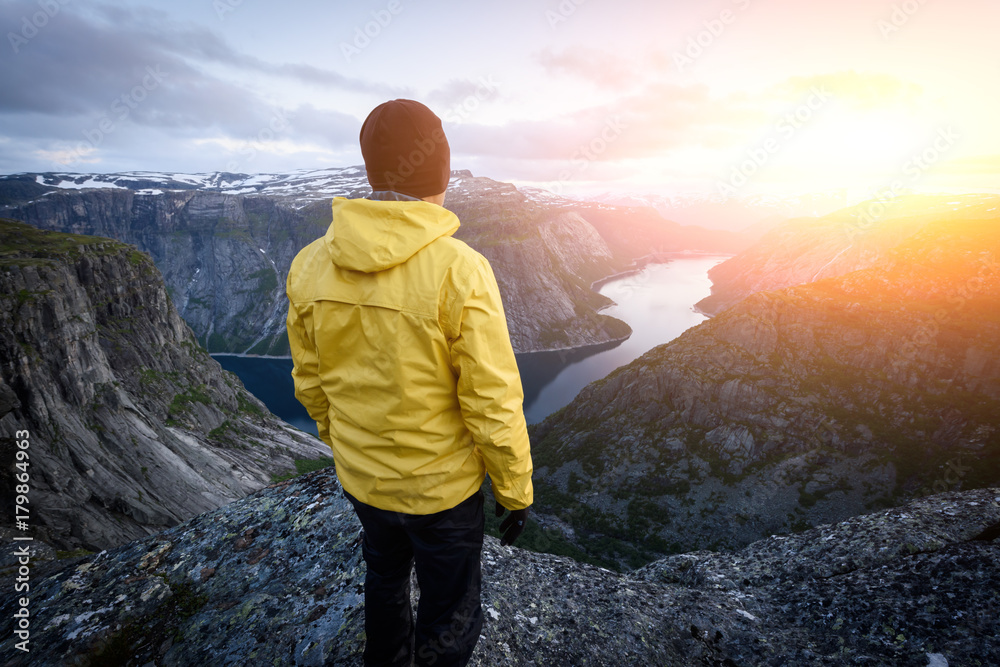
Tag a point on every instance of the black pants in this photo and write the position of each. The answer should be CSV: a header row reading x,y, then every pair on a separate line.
x,y
446,548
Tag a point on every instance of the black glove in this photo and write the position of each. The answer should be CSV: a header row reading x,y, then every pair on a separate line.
x,y
513,525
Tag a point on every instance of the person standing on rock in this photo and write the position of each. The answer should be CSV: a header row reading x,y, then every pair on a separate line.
x,y
402,356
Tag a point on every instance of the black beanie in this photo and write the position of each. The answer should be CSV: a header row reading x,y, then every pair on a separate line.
x,y
405,149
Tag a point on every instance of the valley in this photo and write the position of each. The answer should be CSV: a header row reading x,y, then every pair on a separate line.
x,y
793,408
847,367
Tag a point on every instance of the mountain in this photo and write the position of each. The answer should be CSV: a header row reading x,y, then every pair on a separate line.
x,y
224,243
804,250
792,408
224,256
637,228
276,578
750,215
132,426
800,409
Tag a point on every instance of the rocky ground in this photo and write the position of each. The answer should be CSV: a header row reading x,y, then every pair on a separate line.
x,y
276,578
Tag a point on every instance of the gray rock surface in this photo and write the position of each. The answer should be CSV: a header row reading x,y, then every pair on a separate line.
x,y
8,399
276,578
132,426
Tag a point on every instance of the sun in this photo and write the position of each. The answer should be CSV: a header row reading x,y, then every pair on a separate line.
x,y
856,149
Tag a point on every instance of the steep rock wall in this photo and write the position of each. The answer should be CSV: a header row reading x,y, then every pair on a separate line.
x,y
225,257
133,426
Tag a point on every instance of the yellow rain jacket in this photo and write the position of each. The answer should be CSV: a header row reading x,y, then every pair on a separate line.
x,y
403,358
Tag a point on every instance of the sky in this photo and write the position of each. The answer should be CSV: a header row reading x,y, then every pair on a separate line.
x,y
722,98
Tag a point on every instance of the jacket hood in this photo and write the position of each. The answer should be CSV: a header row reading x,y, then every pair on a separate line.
x,y
372,236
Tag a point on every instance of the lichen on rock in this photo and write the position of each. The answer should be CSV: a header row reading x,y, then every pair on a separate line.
x,y
277,578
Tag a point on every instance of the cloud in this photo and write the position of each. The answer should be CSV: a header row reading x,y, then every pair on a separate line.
x,y
458,92
599,67
660,118
648,123
84,88
110,64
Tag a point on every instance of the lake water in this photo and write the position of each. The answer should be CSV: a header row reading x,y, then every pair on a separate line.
x,y
657,302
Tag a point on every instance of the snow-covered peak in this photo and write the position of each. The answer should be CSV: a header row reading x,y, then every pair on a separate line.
x,y
301,187
297,188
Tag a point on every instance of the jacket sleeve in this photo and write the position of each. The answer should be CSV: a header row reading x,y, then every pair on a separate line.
x,y
305,373
489,388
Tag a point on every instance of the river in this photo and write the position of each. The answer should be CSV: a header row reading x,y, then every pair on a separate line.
x,y
657,302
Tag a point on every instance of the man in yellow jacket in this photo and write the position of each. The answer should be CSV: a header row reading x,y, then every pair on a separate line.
x,y
403,358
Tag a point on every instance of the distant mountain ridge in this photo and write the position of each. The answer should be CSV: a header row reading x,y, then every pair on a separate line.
x,y
803,250
224,243
748,214
300,187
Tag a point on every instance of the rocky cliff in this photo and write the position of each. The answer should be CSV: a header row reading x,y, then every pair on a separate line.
x,y
133,427
224,243
224,258
276,578
804,250
790,409
545,260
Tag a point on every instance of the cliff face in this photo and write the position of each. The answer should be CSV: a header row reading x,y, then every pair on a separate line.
x,y
808,249
276,578
133,427
224,243
545,261
224,258
792,408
